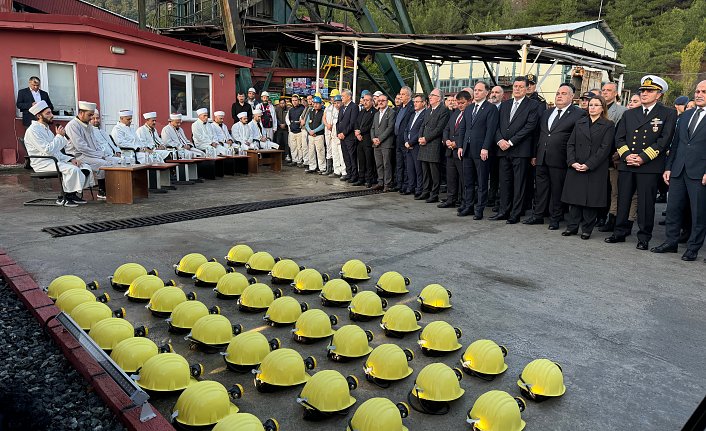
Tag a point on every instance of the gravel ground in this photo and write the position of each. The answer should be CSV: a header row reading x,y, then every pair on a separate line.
x,y
39,389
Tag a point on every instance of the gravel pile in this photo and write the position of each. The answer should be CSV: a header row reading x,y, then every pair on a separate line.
x,y
39,389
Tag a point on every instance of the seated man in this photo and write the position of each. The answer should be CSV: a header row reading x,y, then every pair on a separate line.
x,y
203,136
40,141
241,132
258,133
173,137
151,139
220,131
126,139
110,150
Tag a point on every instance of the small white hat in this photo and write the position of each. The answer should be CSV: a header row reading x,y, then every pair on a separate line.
x,y
39,107
86,106
264,93
175,116
251,89
95,112
149,115
242,115
219,114
377,93
202,111
257,112
125,113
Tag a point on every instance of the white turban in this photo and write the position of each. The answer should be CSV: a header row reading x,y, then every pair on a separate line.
x,y
39,107
125,113
202,111
219,114
149,115
257,112
86,106
243,115
175,116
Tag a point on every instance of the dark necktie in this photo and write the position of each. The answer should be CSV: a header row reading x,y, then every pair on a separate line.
x,y
475,111
694,120
556,119
646,112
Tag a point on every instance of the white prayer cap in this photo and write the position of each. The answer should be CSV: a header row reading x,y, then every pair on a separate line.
x,y
149,115
95,112
377,93
39,107
86,106
251,89
125,113
202,111
264,93
243,115
175,116
219,114
256,112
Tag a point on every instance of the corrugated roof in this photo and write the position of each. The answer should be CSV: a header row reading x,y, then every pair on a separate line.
x,y
78,8
568,27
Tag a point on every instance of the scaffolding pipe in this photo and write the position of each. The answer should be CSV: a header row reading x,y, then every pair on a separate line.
x,y
355,68
343,62
317,45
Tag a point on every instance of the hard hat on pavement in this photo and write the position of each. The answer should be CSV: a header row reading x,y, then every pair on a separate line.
x,y
326,394
435,386
232,285
203,404
542,379
284,311
213,332
186,314
313,325
434,298
366,306
309,281
165,300
337,293
484,359
377,414
143,287
283,368
245,422
439,338
355,270
247,350
400,320
349,342
208,274
284,271
497,411
107,333
387,363
260,263
239,255
68,300
68,282
257,297
127,273
166,373
188,264
131,353
88,313
392,283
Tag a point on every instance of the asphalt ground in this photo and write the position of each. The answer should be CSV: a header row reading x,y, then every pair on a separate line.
x,y
628,327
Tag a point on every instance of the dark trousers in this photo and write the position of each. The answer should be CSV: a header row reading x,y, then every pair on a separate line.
x,y
475,184
494,177
366,162
430,174
454,178
684,194
513,183
383,164
400,168
350,158
549,184
584,216
442,164
646,187
413,168
281,138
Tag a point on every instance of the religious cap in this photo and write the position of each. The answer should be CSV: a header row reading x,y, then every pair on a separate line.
x,y
86,106
125,113
149,115
175,116
257,112
219,114
202,111
242,115
39,107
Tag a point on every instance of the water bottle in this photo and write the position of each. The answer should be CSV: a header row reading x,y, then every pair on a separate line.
x,y
122,160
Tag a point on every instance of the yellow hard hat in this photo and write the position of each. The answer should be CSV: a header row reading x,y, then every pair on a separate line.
x,y
434,298
313,325
204,403
232,285
355,270
107,333
68,300
309,281
238,255
400,320
349,342
327,393
392,283
379,414
208,274
484,359
284,311
260,263
257,297
283,368
542,379
186,314
366,305
387,363
126,274
165,300
88,313
497,411
212,332
435,386
439,338
188,264
247,350
245,422
284,271
68,282
131,353
337,293
143,287
167,372
335,92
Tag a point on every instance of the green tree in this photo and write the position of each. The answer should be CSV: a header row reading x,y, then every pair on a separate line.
x,y
691,57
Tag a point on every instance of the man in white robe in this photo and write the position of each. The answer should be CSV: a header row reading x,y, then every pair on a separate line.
x,y
126,139
202,134
148,134
111,151
258,133
221,132
173,137
241,132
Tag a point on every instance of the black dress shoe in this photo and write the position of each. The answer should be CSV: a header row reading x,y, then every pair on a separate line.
x,y
499,216
432,199
393,189
407,193
690,255
533,220
585,236
512,220
568,232
368,185
422,197
402,191
614,239
665,248
352,180
553,226
641,245
446,204
311,171
478,217
465,212
359,183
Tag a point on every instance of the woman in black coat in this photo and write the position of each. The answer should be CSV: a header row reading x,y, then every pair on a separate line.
x,y
588,152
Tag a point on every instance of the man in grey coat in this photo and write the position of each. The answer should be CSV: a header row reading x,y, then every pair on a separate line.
x,y
430,146
382,133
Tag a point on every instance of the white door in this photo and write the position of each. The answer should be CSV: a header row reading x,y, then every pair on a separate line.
x,y
118,91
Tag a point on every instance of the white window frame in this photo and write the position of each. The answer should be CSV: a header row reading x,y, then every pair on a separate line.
x,y
189,92
44,77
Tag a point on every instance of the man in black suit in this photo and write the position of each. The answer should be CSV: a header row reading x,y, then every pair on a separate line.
x,y
30,96
366,154
549,160
404,112
481,123
430,146
642,138
514,138
345,126
686,176
413,168
452,139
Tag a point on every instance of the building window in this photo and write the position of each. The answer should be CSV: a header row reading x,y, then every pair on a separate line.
x,y
189,92
57,79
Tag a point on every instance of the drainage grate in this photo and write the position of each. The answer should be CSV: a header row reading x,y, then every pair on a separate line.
x,y
178,216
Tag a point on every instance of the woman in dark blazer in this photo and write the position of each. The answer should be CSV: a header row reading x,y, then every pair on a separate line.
x,y
588,152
